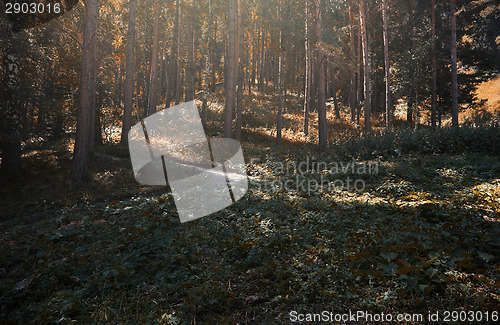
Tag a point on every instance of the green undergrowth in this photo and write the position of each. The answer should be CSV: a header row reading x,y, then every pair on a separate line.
x,y
450,140
422,235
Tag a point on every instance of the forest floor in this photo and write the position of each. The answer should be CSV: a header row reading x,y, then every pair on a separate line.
x,y
420,233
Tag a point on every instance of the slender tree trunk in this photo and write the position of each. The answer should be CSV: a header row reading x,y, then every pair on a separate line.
x,y
174,57
129,73
411,102
239,96
336,107
322,132
146,85
307,82
161,76
206,73
434,65
230,73
366,63
251,82
84,122
138,82
328,80
179,71
153,76
213,62
190,57
387,69
440,114
281,87
262,58
10,119
204,105
359,92
352,92
454,77
281,99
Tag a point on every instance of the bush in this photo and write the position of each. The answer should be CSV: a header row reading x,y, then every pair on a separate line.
x,y
451,140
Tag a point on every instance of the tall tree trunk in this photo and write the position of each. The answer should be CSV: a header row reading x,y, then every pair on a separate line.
x,y
95,133
213,60
411,102
230,72
252,74
366,64
281,86
10,118
454,77
206,72
174,57
153,72
262,58
307,82
434,65
281,99
161,75
241,55
179,72
336,107
322,132
190,57
129,73
359,92
387,69
352,92
84,121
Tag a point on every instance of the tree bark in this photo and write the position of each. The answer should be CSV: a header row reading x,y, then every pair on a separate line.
x,y
191,53
239,95
307,82
336,107
10,118
252,74
281,98
206,72
95,132
359,92
174,57
84,122
409,110
434,65
281,86
153,72
387,69
454,77
129,73
179,71
322,132
366,64
230,72
262,58
352,92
